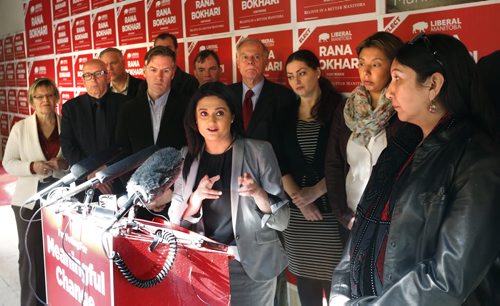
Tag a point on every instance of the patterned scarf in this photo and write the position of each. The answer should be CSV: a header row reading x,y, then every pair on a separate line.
x,y
361,119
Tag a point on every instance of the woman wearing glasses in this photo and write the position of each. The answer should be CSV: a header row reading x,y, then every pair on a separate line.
x,y
426,229
361,127
33,154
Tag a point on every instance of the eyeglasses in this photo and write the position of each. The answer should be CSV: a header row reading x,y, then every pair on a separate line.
x,y
42,97
421,37
89,75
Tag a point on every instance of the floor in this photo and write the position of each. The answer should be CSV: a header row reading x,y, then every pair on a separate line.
x,y
9,279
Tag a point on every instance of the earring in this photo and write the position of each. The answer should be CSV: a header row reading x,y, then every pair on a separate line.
x,y
432,108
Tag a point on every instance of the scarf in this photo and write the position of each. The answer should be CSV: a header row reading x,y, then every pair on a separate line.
x,y
361,119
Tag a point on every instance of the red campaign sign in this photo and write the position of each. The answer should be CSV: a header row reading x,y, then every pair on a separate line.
x,y
61,9
134,61
79,6
103,29
62,36
8,48
4,124
65,96
461,23
314,9
221,46
280,47
131,23
252,14
100,3
10,74
12,100
180,57
78,61
19,46
206,17
41,69
81,29
1,50
21,74
2,74
335,47
3,101
164,16
38,25
22,102
64,67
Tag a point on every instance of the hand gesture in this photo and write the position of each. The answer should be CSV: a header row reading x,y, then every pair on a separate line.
x,y
42,167
205,191
311,213
304,197
58,163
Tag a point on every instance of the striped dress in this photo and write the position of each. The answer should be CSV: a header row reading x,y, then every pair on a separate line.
x,y
314,247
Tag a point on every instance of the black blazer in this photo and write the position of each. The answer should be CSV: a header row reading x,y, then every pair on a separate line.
x,y
133,86
78,135
275,104
185,83
135,129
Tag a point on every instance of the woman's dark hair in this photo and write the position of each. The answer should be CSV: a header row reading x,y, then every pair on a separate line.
x,y
447,55
385,41
195,140
330,98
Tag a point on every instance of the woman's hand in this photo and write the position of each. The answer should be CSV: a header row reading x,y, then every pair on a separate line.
x,y
250,188
311,213
205,191
42,167
305,196
58,164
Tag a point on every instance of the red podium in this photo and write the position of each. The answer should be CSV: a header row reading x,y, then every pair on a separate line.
x,y
78,272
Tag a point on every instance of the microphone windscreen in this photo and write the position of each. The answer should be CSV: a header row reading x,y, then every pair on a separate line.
x,y
156,174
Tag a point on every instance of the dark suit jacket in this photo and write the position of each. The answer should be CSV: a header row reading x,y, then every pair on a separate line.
x,y
135,129
133,86
78,135
275,104
184,83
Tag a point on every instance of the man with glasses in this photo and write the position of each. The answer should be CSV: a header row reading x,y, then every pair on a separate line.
x,y
207,67
89,120
262,109
121,81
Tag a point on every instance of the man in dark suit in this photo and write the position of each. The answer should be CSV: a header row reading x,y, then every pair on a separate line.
x,y
121,81
263,117
88,121
155,117
182,82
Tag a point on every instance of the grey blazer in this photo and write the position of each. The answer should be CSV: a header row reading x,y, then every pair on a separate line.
x,y
260,250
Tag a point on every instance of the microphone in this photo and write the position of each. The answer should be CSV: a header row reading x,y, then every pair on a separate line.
x,y
81,170
115,170
152,178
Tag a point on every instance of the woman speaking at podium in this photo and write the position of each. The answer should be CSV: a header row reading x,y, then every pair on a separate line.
x,y
33,154
230,190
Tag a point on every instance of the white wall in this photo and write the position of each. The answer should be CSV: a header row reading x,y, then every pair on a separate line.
x,y
11,16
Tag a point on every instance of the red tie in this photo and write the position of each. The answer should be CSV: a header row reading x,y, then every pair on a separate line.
x,y
247,108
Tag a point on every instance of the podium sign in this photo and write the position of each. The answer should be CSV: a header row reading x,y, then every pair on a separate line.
x,y
72,243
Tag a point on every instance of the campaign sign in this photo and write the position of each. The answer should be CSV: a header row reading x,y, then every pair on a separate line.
x,y
103,29
76,268
221,46
8,48
62,36
335,47
180,57
4,124
65,96
10,74
206,17
314,9
12,101
2,74
64,68
3,100
60,8
393,6
19,46
164,16
280,47
41,69
78,62
21,74
100,3
81,29
131,23
134,61
253,14
79,6
22,102
38,26
461,23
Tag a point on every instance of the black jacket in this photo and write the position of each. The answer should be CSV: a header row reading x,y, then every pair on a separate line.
x,y
444,233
